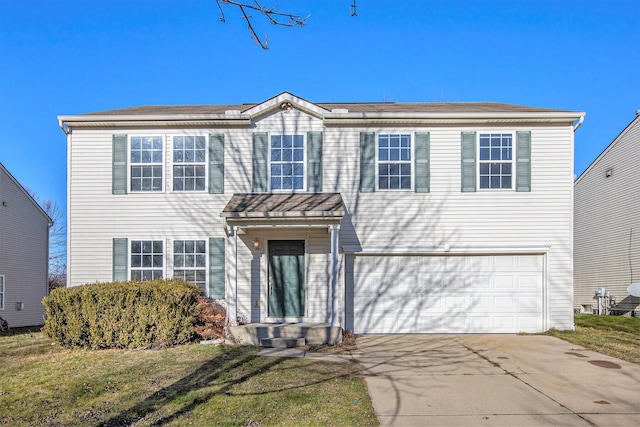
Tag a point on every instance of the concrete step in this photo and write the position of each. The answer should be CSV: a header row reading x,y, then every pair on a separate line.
x,y
282,342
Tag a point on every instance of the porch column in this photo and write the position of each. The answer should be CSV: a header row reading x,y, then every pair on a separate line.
x,y
336,295
231,290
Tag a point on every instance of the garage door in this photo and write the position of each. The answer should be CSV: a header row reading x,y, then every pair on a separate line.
x,y
447,294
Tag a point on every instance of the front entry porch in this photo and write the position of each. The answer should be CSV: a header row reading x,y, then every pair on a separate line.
x,y
285,334
282,268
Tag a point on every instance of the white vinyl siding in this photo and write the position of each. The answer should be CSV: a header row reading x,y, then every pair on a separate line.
x,y
24,253
484,220
607,218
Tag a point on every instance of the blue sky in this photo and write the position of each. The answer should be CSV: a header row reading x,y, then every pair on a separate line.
x,y
61,57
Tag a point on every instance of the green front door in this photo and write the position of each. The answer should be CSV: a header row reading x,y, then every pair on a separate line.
x,y
286,278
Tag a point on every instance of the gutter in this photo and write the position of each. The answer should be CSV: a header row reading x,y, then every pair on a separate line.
x,y
64,127
577,125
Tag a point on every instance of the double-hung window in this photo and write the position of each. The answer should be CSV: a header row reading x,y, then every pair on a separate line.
x,y
190,261
495,160
189,163
146,163
287,160
147,259
394,162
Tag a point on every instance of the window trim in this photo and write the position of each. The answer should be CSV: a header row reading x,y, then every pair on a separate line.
x,y
410,162
303,162
512,161
163,138
207,251
205,163
3,292
130,267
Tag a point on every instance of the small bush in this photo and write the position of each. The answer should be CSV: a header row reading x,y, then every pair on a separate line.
x,y
122,315
211,319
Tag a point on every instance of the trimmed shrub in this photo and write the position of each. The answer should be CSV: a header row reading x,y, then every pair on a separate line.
x,y
212,317
147,314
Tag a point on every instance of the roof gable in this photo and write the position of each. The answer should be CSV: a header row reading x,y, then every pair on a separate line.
x,y
25,192
285,101
635,122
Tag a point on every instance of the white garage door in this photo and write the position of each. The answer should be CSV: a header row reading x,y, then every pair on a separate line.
x,y
448,294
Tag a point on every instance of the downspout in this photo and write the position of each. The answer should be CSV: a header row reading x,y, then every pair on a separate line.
x,y
577,125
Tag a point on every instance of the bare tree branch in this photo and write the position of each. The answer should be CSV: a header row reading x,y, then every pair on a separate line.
x,y
276,18
353,9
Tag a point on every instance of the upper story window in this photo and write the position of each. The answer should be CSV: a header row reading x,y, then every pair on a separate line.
x,y
147,259
146,163
189,163
495,160
287,162
394,162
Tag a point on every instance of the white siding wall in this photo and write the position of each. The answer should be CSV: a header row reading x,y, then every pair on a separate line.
x,y
607,221
490,219
24,240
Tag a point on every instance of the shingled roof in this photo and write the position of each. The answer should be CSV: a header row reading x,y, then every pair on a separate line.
x,y
284,205
355,107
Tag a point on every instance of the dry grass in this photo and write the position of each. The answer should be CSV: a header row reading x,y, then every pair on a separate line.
x,y
44,385
617,336
348,346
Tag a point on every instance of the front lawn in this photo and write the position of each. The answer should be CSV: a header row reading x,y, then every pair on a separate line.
x,y
44,385
617,336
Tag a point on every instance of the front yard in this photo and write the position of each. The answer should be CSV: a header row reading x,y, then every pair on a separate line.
x,y
616,336
44,385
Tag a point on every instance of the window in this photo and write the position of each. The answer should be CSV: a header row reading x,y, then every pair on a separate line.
x,y
147,259
146,163
189,163
287,162
1,292
394,162
190,261
496,160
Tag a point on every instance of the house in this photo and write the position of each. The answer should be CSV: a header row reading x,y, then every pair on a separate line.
x,y
607,226
372,217
24,254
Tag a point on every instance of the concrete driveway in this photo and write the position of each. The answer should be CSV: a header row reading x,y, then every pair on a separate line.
x,y
496,380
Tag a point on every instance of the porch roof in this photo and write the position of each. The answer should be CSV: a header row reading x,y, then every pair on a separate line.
x,y
292,205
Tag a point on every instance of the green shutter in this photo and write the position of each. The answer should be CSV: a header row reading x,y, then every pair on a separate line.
x,y
120,265
119,172
468,162
260,164
523,161
367,162
216,164
421,159
314,162
216,267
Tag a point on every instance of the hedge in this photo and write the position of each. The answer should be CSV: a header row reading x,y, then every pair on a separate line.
x,y
130,315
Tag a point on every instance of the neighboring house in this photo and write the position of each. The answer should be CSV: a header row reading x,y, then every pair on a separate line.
x,y
607,225
24,254
376,217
